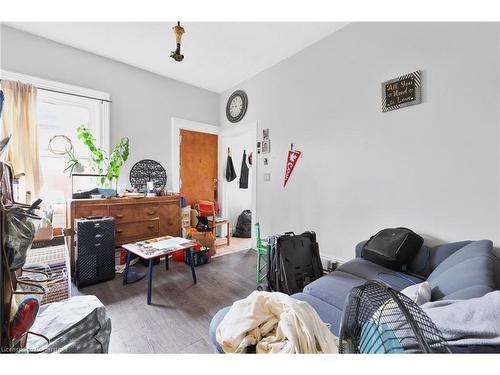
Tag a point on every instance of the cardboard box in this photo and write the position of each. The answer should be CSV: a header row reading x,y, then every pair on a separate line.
x,y
207,239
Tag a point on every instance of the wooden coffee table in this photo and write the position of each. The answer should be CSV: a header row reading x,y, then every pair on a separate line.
x,y
157,248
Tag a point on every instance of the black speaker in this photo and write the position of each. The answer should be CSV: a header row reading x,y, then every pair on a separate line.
x,y
94,250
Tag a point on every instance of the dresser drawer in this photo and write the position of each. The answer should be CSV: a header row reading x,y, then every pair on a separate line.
x,y
128,213
85,211
136,230
170,219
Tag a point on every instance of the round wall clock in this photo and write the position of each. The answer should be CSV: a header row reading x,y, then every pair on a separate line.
x,y
236,106
147,170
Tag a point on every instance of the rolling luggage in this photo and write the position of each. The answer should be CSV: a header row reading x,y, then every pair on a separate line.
x,y
94,251
293,262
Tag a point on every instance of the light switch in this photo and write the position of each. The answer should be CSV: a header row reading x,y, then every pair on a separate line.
x,y
267,176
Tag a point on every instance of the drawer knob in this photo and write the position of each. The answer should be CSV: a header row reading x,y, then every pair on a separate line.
x,y
151,226
151,212
119,230
119,216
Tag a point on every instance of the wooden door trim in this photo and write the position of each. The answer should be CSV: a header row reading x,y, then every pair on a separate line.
x,y
177,125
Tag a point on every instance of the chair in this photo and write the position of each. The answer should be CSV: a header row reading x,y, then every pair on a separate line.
x,y
207,209
261,257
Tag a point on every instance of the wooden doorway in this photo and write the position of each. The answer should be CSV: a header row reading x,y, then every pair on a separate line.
x,y
198,165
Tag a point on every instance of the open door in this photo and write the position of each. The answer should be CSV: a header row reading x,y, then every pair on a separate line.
x,y
198,165
233,199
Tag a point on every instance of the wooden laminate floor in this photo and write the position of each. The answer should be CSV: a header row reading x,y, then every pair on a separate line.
x,y
180,314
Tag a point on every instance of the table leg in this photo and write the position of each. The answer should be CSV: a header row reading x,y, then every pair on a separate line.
x,y
228,234
191,260
166,262
127,266
150,279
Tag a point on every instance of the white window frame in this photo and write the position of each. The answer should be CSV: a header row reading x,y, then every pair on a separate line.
x,y
43,83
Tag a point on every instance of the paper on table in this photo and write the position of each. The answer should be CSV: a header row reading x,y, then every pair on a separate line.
x,y
171,242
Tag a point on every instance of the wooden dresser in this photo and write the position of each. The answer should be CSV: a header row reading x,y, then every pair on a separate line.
x,y
135,218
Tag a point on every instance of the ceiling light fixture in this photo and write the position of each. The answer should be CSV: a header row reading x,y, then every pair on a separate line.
x,y
178,31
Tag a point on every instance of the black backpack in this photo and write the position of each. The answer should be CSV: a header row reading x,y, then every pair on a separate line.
x,y
293,262
392,248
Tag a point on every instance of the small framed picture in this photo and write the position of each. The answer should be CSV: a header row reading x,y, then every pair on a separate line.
x,y
266,146
265,134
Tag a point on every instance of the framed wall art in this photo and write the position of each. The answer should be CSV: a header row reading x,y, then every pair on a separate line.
x,y
266,146
145,171
402,91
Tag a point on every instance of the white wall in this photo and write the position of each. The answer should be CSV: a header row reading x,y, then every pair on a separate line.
x,y
143,102
235,200
431,167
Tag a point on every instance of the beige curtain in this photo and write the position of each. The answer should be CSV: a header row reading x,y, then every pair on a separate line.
x,y
19,120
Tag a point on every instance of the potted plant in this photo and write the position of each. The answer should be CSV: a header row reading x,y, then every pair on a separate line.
x,y
109,166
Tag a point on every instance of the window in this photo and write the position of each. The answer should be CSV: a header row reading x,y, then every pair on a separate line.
x,y
62,108
62,114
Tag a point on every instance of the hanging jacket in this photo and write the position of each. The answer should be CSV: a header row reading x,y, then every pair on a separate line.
x,y
230,172
244,172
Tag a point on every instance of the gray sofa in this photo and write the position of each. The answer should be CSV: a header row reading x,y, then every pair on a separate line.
x,y
458,270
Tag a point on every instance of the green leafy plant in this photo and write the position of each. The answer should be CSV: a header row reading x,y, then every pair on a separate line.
x,y
72,162
109,166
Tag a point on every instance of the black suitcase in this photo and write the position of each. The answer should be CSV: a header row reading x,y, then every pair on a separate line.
x,y
293,262
94,250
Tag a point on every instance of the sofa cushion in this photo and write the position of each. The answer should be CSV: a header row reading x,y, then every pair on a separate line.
x,y
427,259
467,273
214,323
367,270
333,288
328,313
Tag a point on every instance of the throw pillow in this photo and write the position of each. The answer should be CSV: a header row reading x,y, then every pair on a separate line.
x,y
418,293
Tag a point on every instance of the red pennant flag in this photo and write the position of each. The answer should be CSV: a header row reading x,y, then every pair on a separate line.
x,y
291,161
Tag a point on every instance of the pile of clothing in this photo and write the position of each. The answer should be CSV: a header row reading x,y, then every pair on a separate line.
x,y
274,323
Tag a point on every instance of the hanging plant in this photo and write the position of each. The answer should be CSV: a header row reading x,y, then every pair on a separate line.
x,y
108,166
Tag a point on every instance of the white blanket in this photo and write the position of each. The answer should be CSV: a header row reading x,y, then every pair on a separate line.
x,y
275,323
